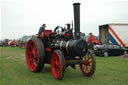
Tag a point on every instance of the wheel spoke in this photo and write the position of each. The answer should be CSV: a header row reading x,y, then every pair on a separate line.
x,y
87,69
36,53
58,63
89,57
56,58
30,46
29,52
34,62
59,66
30,59
57,72
83,67
33,66
90,60
90,64
34,48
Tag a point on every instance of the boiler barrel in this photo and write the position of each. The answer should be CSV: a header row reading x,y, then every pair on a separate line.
x,y
74,47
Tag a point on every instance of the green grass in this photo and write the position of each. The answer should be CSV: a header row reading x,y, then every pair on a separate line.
x,y
14,71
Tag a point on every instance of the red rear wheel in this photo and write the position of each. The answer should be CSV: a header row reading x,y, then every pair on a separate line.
x,y
88,68
35,54
57,64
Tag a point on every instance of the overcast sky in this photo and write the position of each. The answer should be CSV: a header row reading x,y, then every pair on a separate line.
x,y
24,17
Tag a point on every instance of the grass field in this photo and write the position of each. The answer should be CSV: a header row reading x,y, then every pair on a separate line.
x,y
14,71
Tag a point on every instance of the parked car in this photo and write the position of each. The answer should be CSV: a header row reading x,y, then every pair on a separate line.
x,y
109,49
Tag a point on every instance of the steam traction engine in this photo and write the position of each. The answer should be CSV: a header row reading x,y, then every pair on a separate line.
x,y
61,48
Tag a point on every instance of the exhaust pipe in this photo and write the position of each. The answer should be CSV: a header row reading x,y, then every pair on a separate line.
x,y
77,19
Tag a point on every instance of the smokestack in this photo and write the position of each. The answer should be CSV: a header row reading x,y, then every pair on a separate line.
x,y
68,26
77,19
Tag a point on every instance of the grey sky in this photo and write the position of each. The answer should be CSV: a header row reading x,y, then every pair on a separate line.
x,y
24,17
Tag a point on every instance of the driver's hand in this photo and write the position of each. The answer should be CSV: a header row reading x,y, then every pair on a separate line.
x,y
42,35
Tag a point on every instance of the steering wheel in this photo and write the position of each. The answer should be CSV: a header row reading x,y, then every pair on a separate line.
x,y
58,29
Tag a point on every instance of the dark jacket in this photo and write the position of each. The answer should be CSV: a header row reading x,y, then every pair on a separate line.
x,y
41,30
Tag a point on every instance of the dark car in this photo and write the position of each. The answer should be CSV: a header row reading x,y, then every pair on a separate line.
x,y
109,49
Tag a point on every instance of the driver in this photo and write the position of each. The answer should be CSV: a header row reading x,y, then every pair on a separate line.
x,y
42,29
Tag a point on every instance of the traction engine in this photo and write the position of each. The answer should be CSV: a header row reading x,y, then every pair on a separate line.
x,y
61,48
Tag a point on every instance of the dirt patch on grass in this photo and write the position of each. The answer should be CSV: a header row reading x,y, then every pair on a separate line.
x,y
124,56
9,57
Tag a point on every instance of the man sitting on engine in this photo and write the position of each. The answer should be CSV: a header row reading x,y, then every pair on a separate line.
x,y
41,31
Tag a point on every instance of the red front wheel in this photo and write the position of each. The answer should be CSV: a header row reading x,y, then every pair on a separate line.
x,y
89,65
57,64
